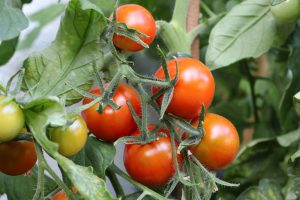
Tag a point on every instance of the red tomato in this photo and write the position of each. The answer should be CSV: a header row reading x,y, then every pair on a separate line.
x,y
61,195
17,157
220,143
151,164
113,124
195,86
135,17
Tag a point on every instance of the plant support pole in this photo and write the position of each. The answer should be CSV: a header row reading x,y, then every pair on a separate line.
x,y
191,22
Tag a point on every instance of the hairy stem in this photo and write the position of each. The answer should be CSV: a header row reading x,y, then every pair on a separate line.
x,y
145,189
115,183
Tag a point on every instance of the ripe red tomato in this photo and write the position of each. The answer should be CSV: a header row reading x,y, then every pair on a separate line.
x,y
112,124
71,138
17,157
11,120
151,164
195,86
61,195
135,17
220,143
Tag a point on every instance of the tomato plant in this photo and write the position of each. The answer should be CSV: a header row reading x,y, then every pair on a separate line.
x,y
17,157
151,164
11,120
286,11
195,86
238,59
112,124
219,144
135,17
71,138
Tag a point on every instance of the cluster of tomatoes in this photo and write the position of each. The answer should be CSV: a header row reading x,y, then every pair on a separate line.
x,y
151,164
16,156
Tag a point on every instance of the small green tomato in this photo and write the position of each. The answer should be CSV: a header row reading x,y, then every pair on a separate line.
x,y
287,11
11,120
71,138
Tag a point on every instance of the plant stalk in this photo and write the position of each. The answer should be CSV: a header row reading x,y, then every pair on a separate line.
x,y
147,190
115,183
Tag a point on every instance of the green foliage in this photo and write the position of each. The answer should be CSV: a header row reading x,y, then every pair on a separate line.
x,y
101,6
70,57
288,116
25,185
100,155
268,104
7,49
89,185
42,17
266,190
246,31
12,20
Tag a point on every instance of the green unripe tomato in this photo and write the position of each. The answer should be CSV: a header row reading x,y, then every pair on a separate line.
x,y
287,11
11,120
71,138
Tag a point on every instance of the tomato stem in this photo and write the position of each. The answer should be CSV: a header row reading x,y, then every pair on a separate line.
x,y
39,193
145,189
180,13
115,183
144,99
207,10
43,163
252,81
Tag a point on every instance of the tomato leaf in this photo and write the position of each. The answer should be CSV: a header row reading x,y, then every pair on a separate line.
x,y
97,154
292,187
50,111
12,20
297,102
289,138
266,190
42,112
22,187
7,49
42,17
295,155
89,185
136,195
102,6
248,30
69,58
255,162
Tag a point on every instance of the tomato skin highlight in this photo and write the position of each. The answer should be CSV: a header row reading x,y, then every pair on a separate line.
x,y
70,138
17,157
112,124
195,86
287,11
135,17
151,164
12,120
220,142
